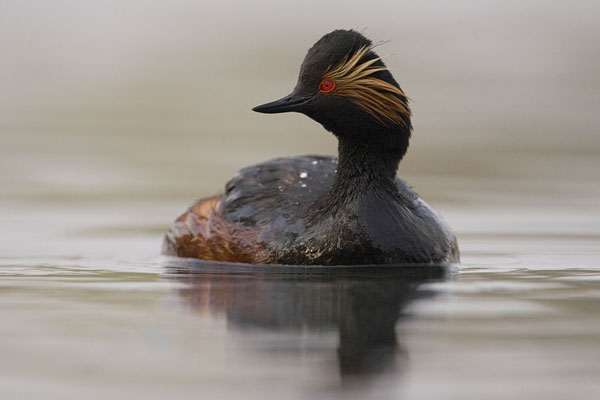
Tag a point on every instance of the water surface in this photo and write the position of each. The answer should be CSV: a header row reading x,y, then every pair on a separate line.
x,y
89,308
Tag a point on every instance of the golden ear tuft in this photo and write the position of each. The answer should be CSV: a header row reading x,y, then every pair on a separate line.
x,y
379,98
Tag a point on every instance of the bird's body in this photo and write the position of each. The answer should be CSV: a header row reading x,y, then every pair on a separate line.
x,y
321,210
277,213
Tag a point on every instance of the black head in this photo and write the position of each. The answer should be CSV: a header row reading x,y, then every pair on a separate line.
x,y
346,87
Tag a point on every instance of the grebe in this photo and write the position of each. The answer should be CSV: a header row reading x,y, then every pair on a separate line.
x,y
315,210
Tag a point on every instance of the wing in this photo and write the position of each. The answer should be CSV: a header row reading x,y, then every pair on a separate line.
x,y
271,196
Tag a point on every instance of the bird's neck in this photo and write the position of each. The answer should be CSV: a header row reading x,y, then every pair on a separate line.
x,y
362,170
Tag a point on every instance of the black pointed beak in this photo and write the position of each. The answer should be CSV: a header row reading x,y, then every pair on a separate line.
x,y
291,102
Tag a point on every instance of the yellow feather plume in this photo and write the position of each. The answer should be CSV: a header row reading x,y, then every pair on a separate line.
x,y
379,98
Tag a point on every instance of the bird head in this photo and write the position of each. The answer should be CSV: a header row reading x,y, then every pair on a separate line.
x,y
345,86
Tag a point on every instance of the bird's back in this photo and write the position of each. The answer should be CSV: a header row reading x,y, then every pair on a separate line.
x,y
283,189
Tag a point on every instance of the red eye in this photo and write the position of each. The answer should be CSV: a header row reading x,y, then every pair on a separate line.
x,y
326,85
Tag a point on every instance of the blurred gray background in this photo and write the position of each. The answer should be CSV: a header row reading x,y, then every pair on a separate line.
x,y
112,100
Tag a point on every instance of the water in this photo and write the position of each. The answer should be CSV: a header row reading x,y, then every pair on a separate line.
x,y
89,308
106,135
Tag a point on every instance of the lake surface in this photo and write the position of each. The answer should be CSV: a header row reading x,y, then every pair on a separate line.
x,y
116,116
90,309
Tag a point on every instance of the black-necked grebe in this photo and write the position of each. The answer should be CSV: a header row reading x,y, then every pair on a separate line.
x,y
322,210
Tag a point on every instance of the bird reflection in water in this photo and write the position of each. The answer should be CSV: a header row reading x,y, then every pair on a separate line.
x,y
363,304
